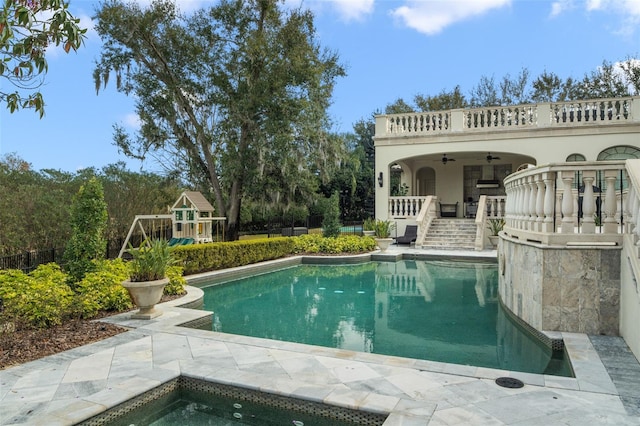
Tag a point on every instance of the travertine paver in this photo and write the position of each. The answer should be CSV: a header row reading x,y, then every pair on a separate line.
x,y
67,388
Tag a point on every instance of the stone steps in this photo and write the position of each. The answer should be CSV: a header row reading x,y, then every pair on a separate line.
x,y
451,233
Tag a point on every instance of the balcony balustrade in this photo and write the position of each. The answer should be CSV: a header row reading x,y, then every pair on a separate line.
x,y
542,115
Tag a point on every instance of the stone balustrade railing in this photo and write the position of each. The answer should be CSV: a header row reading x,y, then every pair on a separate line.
x,y
582,203
495,206
542,115
405,207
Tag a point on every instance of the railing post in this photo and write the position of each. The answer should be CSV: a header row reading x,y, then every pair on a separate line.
x,y
533,196
543,118
610,205
457,120
520,204
524,203
634,109
549,201
540,196
588,203
567,203
631,207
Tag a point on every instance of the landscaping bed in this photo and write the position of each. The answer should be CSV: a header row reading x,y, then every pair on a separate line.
x,y
24,345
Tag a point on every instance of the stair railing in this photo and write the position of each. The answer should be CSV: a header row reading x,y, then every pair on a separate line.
x,y
427,214
481,223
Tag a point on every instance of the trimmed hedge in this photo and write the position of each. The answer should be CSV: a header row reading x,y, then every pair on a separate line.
x,y
349,244
213,256
199,258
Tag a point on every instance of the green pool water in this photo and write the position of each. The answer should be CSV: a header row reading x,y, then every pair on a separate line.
x,y
444,311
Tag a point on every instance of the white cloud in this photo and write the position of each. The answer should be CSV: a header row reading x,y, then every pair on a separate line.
x,y
627,10
347,10
432,17
353,10
594,4
132,121
558,7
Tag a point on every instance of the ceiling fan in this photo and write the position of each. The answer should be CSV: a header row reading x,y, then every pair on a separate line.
x,y
491,157
445,160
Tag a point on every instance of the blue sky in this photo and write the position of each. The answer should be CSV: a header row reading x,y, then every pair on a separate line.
x,y
391,49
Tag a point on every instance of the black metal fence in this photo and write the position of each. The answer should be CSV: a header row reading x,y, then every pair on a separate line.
x,y
29,260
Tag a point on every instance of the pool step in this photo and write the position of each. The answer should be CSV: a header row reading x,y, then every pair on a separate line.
x,y
451,234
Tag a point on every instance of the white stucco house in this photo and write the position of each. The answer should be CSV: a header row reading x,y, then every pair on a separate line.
x,y
564,177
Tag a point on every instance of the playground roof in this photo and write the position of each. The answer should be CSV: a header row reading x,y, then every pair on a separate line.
x,y
197,200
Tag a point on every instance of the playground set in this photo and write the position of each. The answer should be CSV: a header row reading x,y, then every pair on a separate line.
x,y
190,221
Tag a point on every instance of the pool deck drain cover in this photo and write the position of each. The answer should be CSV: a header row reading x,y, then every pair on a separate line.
x,y
509,382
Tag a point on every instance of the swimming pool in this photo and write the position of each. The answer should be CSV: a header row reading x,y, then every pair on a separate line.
x,y
444,311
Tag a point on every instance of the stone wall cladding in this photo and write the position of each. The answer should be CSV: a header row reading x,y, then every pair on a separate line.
x,y
572,289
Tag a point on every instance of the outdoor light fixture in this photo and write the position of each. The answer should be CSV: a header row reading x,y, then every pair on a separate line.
x,y
380,179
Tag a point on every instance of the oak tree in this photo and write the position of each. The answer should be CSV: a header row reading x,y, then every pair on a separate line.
x,y
235,96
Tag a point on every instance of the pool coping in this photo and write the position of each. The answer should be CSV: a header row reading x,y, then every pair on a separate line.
x,y
591,375
589,371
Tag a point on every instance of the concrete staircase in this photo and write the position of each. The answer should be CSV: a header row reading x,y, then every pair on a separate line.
x,y
451,234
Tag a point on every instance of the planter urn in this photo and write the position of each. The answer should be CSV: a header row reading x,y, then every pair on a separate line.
x,y
145,295
384,243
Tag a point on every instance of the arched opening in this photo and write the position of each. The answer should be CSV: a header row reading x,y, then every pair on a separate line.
x,y
576,157
426,181
619,153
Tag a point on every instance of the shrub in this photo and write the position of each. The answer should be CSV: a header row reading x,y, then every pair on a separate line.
x,y
101,290
331,221
314,243
39,299
213,256
369,224
88,224
176,281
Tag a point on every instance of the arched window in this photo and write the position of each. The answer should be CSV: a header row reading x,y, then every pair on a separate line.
x,y
619,153
576,157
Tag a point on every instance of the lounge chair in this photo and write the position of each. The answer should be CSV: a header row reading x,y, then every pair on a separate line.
x,y
175,242
410,235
